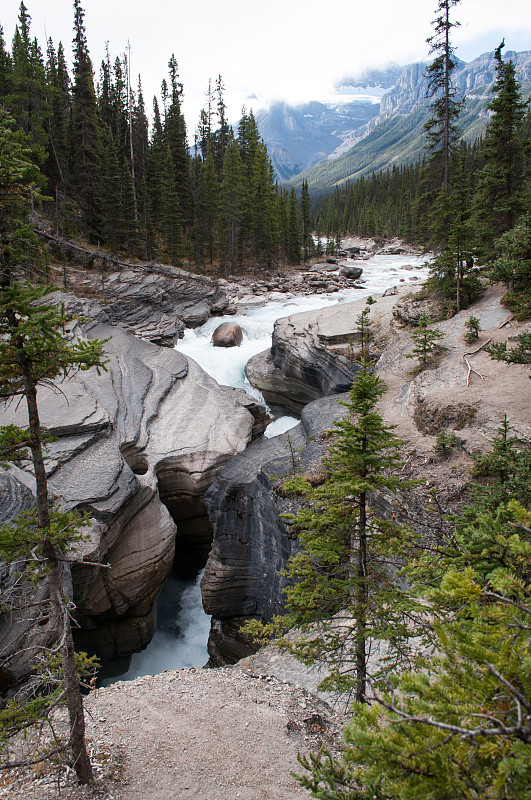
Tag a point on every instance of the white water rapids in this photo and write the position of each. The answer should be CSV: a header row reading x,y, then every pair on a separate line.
x,y
182,626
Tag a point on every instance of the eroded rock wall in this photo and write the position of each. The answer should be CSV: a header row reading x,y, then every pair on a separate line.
x,y
149,434
299,367
251,544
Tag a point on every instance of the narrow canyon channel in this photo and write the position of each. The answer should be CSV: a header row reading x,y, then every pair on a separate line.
x,y
182,625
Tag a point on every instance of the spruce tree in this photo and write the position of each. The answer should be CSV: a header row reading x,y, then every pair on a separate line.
x,y
441,128
513,266
207,211
6,69
85,139
33,352
306,223
27,99
497,200
170,224
425,340
458,725
20,184
141,150
221,136
58,86
231,208
294,230
341,594
175,135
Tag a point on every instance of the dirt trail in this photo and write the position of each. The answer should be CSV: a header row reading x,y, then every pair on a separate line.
x,y
203,734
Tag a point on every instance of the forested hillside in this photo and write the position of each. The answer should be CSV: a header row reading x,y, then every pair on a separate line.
x,y
137,189
395,135
490,189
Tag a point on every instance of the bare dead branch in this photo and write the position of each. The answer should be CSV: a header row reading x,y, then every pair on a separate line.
x,y
469,365
512,689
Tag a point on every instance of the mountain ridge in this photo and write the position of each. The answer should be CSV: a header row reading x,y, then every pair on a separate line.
x,y
329,143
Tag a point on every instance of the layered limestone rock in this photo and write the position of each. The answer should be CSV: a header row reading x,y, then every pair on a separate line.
x,y
251,544
137,446
299,367
314,354
154,301
22,608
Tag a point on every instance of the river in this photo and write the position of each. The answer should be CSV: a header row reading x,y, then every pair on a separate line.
x,y
182,626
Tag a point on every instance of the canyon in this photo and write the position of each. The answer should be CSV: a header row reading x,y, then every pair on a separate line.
x,y
170,464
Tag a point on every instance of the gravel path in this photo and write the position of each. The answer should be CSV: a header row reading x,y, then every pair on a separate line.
x,y
205,734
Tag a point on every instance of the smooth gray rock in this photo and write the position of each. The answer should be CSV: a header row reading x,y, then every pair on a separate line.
x,y
25,627
251,544
137,447
154,301
299,368
308,356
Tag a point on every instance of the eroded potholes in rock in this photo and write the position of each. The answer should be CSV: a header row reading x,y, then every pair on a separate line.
x,y
134,459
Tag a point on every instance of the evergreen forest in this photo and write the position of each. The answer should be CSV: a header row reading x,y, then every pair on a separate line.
x,y
143,190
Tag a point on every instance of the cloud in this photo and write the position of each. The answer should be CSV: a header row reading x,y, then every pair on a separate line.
x,y
285,49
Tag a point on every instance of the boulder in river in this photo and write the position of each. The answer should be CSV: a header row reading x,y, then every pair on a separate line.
x,y
228,334
348,271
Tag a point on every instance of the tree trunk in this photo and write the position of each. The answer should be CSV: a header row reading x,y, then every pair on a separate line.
x,y
361,603
74,701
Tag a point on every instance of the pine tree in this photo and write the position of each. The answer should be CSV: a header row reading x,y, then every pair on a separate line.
x,y
497,200
341,593
85,138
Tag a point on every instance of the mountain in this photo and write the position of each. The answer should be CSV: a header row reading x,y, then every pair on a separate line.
x,y
299,137
329,143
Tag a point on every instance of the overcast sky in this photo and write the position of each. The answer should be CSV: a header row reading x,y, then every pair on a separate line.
x,y
295,50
